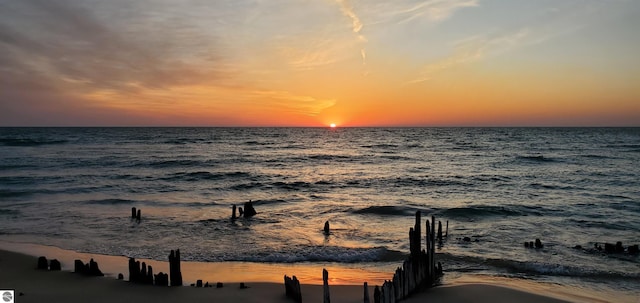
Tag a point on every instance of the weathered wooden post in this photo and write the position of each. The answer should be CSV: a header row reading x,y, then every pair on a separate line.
x,y
325,286
428,245
133,213
417,231
376,294
432,265
134,272
446,234
412,242
149,277
174,268
94,270
249,211
233,213
139,215
292,288
327,228
143,273
43,263
55,265
366,293
440,232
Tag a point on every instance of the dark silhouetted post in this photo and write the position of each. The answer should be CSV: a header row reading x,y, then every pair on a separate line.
x,y
149,278
325,286
292,288
446,234
174,268
233,213
366,293
55,265
249,211
143,272
43,263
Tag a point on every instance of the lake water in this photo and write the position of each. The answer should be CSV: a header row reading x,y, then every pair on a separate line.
x,y
74,188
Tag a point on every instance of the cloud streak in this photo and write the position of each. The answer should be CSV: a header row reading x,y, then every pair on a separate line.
x,y
435,10
474,49
356,25
298,104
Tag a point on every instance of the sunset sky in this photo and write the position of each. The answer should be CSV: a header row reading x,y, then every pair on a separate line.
x,y
317,62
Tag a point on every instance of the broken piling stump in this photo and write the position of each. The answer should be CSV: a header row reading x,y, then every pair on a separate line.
x,y
249,211
43,263
174,268
292,288
325,286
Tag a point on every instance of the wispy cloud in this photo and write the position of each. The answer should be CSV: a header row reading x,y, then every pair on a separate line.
x,y
356,25
318,52
436,10
549,24
429,10
474,49
299,104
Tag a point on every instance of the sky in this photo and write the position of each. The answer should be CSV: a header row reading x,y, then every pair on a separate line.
x,y
318,62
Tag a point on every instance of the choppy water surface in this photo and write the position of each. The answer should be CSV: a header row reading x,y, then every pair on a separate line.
x,y
74,188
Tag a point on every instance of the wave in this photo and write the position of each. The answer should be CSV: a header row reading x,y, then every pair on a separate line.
x,y
170,163
246,186
29,142
537,268
536,159
298,185
192,204
323,185
387,210
204,175
400,182
323,157
551,187
606,225
396,158
268,201
593,156
380,146
9,212
109,202
182,141
426,182
13,193
15,166
149,203
257,143
285,186
337,254
485,211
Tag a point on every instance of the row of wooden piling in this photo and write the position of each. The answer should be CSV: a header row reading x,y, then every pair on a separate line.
x,y
143,274
419,271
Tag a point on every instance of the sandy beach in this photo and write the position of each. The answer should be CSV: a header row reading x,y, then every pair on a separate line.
x,y
18,272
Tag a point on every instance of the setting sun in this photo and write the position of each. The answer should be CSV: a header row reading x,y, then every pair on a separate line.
x,y
332,125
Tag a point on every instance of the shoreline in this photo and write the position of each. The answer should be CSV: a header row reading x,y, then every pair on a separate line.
x,y
235,272
32,285
18,263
